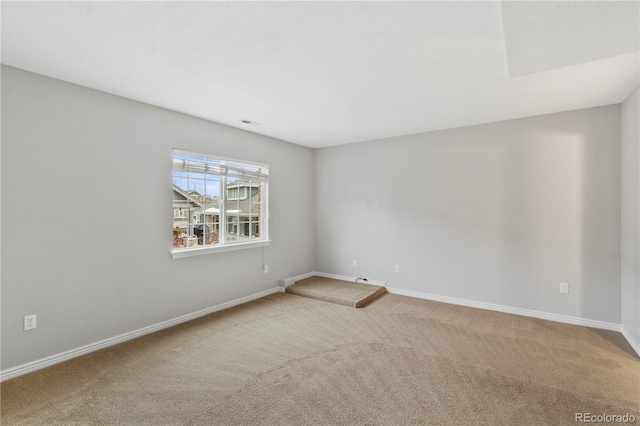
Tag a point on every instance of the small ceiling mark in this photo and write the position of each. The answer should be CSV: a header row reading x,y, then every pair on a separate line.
x,y
250,122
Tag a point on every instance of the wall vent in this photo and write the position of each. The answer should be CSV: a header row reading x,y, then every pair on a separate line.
x,y
250,122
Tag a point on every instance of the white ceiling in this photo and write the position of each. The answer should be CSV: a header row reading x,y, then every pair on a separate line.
x,y
329,73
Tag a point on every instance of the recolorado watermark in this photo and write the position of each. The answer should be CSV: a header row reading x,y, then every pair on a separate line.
x,y
604,418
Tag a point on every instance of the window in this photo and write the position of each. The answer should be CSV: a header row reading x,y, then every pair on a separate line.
x,y
218,204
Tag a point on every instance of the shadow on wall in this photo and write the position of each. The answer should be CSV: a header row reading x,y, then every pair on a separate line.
x,y
562,204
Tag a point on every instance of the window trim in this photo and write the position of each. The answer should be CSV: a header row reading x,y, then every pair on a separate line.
x,y
198,251
177,253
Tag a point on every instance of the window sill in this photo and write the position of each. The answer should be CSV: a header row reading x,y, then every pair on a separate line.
x,y
198,251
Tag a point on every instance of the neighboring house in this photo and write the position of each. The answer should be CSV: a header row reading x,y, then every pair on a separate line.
x,y
186,215
196,217
243,210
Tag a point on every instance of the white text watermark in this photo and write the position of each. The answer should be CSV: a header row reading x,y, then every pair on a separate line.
x,y
604,418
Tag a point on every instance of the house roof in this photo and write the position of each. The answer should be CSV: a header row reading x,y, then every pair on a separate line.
x,y
186,196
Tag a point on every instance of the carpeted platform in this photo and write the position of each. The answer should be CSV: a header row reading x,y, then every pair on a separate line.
x,y
345,293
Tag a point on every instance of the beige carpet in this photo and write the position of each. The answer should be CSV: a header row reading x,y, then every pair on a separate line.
x,y
344,293
288,360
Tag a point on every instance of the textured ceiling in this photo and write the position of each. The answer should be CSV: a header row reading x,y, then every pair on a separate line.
x,y
540,36
328,73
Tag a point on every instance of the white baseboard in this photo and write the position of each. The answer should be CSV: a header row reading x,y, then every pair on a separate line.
x,y
632,342
29,367
508,309
488,306
337,277
292,280
74,353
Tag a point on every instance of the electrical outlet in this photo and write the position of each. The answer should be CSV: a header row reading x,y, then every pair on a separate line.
x,y
397,268
265,269
355,262
564,288
29,322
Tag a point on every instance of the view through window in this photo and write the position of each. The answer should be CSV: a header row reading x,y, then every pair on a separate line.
x,y
217,201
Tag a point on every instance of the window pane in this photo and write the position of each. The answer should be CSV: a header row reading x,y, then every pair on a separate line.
x,y
197,186
212,187
244,230
200,184
180,220
212,234
211,219
181,183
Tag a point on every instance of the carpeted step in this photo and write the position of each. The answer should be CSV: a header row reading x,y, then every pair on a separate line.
x,y
345,293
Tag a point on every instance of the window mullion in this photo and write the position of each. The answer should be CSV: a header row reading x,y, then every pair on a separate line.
x,y
223,210
264,210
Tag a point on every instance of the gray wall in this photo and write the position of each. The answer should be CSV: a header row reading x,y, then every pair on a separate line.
x,y
631,217
86,216
498,213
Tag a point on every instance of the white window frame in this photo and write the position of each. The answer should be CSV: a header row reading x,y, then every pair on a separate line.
x,y
225,246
